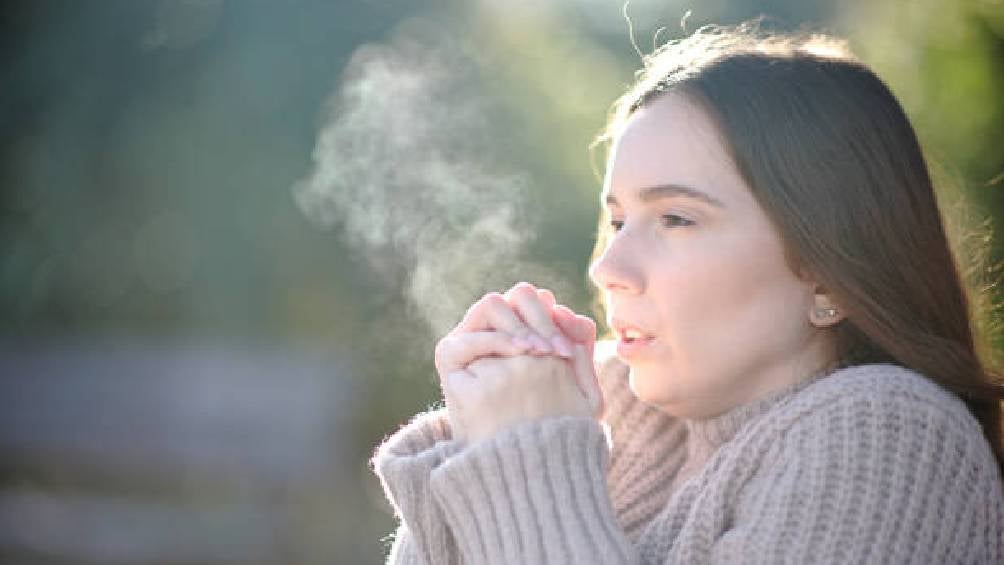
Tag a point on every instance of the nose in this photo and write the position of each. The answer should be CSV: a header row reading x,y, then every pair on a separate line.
x,y
617,269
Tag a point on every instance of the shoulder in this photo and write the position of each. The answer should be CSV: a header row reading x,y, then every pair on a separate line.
x,y
882,378
879,418
877,453
884,390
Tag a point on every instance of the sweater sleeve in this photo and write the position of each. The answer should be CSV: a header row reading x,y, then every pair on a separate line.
x,y
548,485
404,463
564,490
886,478
534,493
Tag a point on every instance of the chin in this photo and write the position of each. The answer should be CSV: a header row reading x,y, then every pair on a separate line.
x,y
654,389
649,387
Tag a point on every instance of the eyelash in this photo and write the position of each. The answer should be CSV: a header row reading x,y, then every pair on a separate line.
x,y
667,220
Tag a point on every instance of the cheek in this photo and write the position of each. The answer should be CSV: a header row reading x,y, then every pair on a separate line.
x,y
725,296
701,280
689,291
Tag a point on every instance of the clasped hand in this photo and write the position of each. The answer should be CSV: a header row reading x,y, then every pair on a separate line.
x,y
516,358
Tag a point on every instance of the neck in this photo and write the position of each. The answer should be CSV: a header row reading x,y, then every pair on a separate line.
x,y
706,435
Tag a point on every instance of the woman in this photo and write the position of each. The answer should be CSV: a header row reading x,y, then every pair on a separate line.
x,y
795,377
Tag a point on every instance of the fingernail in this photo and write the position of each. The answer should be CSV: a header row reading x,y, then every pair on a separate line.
x,y
562,346
541,345
522,342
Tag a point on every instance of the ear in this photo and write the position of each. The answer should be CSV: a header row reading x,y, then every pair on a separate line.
x,y
824,312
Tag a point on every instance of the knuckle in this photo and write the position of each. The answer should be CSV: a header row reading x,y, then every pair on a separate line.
x,y
523,290
544,327
487,300
440,351
444,345
493,299
473,308
482,368
502,342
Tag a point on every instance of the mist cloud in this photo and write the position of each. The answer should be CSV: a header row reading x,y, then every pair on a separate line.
x,y
405,165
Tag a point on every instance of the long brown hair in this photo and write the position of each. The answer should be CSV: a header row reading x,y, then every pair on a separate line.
x,y
832,159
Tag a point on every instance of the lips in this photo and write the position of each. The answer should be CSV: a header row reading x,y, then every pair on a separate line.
x,y
632,334
632,340
628,331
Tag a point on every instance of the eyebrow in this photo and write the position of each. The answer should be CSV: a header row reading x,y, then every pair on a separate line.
x,y
651,193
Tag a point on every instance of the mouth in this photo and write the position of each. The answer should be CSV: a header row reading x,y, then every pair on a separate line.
x,y
631,340
631,335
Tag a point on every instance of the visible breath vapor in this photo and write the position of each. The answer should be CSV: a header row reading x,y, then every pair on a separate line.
x,y
404,166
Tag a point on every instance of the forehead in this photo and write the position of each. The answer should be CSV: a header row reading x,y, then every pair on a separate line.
x,y
671,140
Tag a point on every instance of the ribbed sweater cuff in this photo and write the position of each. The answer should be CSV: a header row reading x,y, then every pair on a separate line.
x,y
535,493
404,464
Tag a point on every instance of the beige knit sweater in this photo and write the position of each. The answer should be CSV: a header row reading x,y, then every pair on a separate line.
x,y
868,464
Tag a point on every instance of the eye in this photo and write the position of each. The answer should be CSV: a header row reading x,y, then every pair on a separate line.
x,y
675,221
616,225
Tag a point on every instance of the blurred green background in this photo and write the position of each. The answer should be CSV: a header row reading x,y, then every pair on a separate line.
x,y
233,230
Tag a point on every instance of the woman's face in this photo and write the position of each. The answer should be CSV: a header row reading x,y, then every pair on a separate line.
x,y
707,313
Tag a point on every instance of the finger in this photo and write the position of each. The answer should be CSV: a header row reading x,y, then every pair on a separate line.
x,y
456,351
580,329
486,370
527,303
549,302
546,297
585,376
493,312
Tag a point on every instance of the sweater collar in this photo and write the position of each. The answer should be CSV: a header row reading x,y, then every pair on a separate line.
x,y
705,435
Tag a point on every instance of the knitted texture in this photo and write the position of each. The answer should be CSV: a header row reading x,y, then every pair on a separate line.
x,y
868,464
